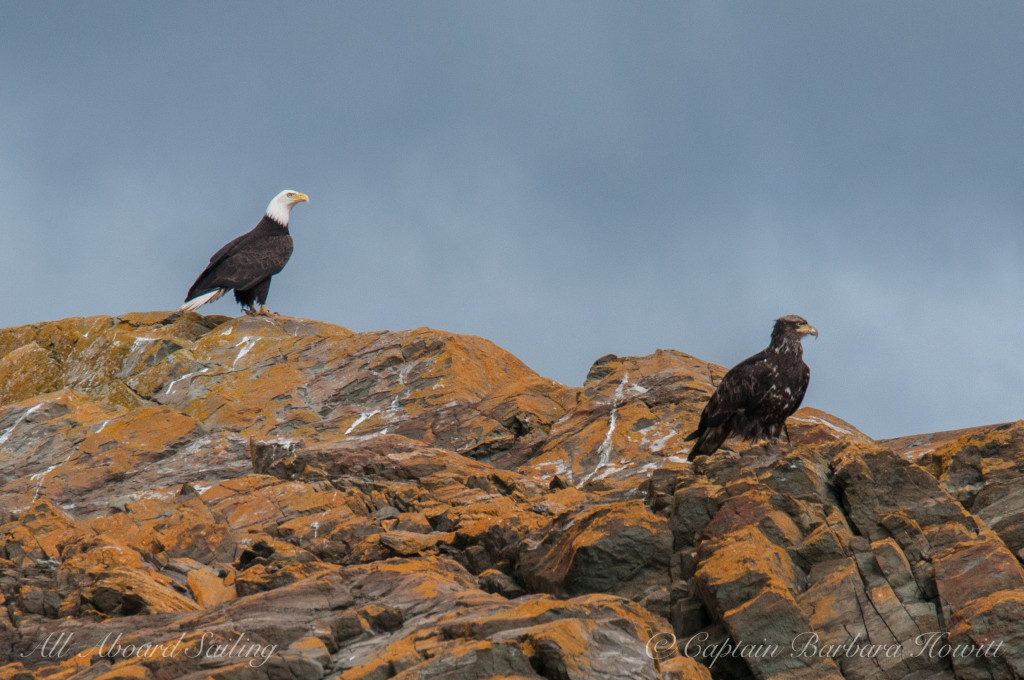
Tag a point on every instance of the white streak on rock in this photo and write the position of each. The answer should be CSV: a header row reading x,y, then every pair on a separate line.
x,y
249,342
361,418
9,431
139,342
174,382
659,444
821,421
605,449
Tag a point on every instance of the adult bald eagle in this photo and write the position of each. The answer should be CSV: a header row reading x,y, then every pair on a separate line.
x,y
247,263
758,394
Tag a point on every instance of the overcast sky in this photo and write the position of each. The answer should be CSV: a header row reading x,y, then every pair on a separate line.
x,y
567,179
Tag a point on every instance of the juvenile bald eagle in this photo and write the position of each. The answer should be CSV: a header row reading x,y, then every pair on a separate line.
x,y
758,394
247,263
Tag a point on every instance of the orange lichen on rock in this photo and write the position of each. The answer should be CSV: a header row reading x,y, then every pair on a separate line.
x,y
273,497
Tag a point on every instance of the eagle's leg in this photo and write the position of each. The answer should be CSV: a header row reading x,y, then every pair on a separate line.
x,y
264,311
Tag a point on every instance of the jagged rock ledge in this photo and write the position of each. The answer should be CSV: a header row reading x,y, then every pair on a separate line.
x,y
196,497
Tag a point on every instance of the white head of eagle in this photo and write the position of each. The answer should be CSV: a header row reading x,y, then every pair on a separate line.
x,y
247,263
280,207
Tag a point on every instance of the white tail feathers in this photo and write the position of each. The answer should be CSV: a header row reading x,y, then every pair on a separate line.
x,y
197,302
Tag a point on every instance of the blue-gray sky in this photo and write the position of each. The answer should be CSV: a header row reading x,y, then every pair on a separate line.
x,y
567,179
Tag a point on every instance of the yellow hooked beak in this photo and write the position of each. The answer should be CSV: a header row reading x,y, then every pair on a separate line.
x,y
299,198
807,329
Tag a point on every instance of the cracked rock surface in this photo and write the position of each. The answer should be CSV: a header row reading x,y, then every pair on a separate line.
x,y
268,497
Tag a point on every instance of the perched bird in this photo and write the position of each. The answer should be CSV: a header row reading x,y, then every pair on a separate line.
x,y
247,263
758,394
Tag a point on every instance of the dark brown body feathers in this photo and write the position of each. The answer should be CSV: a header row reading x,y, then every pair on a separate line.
x,y
755,398
247,263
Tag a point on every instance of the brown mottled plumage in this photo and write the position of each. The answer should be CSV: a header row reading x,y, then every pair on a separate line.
x,y
754,399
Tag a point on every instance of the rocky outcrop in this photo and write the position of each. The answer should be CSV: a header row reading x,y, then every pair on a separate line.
x,y
266,497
